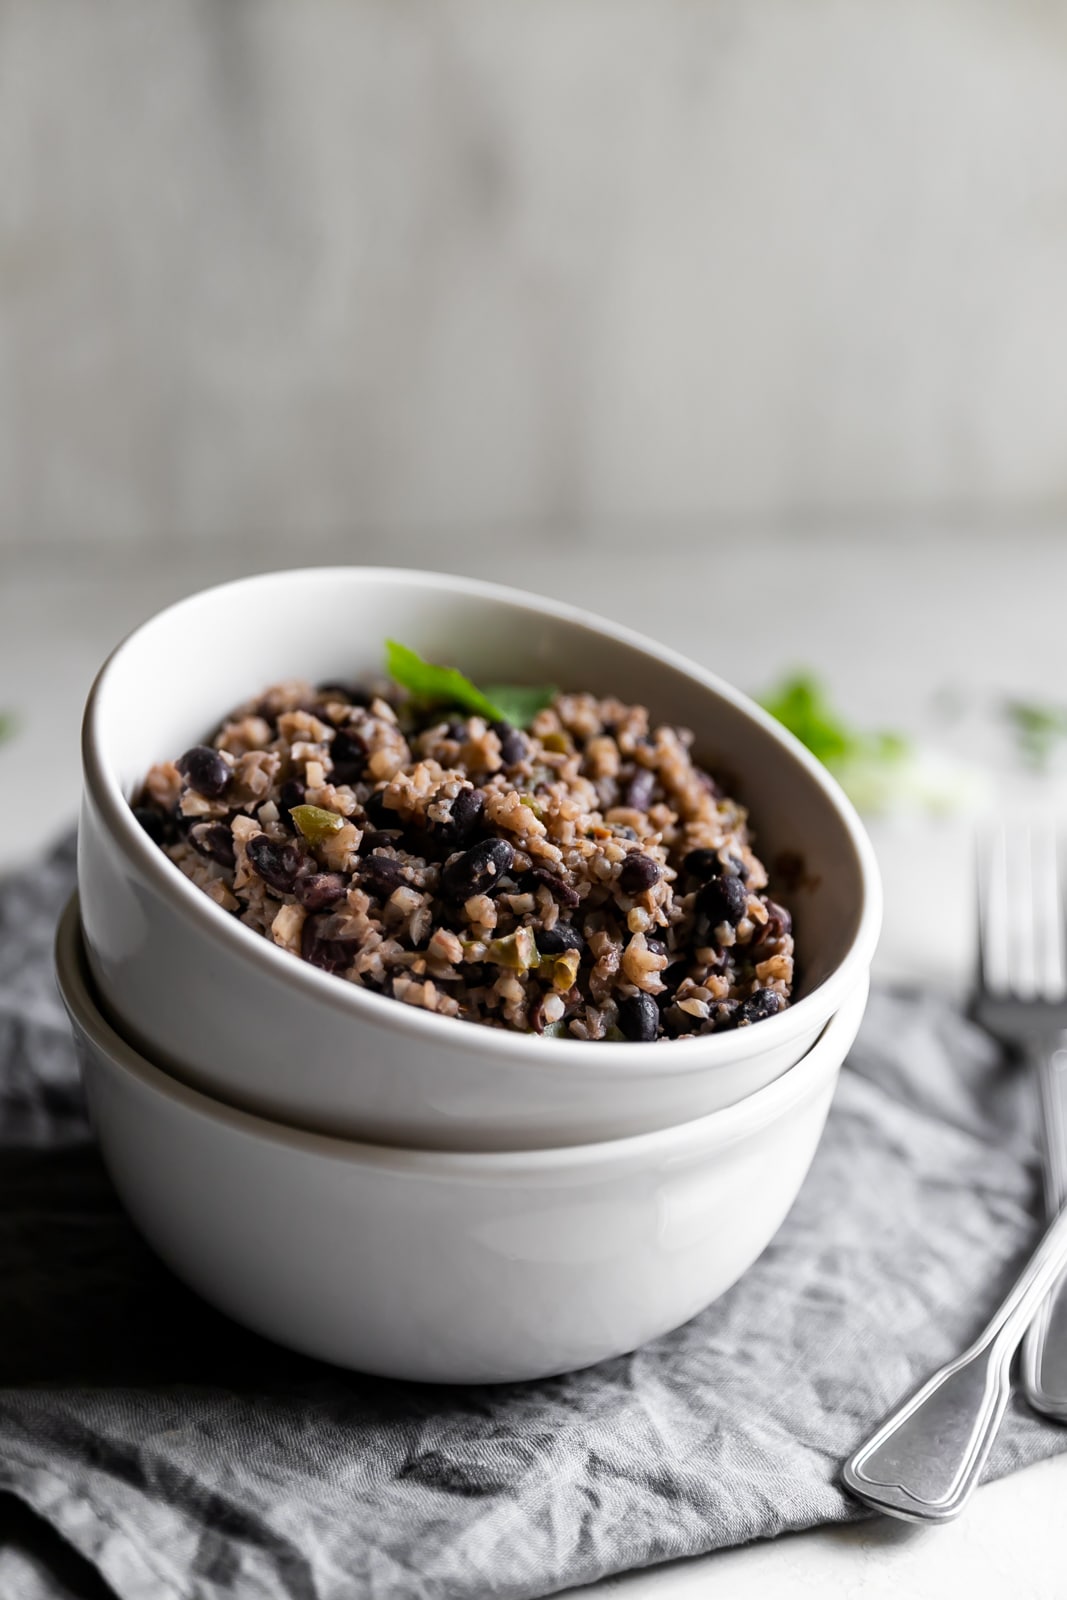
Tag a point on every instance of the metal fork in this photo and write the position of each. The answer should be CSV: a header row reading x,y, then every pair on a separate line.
x,y
1022,999
925,1460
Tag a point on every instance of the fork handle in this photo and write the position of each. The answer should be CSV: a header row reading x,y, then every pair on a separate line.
x,y
926,1459
1044,1360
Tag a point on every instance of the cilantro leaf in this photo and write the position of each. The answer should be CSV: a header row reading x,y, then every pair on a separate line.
x,y
435,686
801,705
519,704
1038,728
868,765
445,686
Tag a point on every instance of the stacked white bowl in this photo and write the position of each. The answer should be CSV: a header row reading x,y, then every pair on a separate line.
x,y
390,1189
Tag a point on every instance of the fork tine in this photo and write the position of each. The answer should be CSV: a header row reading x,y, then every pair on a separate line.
x,y
1022,884
1048,894
993,941
1022,902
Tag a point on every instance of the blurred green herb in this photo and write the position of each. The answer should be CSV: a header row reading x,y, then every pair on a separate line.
x,y
802,705
1038,729
518,704
7,725
868,765
431,685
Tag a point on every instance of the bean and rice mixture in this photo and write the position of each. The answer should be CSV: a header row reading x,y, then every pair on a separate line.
x,y
584,877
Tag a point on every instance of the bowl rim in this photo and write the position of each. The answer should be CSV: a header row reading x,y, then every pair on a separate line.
x,y
622,1059
716,1130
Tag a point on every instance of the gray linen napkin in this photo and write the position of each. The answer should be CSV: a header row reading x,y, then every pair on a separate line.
x,y
186,1458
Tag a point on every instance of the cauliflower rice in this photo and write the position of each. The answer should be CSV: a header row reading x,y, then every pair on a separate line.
x,y
584,877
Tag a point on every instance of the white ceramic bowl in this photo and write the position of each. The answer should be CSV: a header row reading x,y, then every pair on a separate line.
x,y
230,1013
441,1265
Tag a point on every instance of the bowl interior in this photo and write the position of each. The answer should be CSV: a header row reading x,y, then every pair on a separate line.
x,y
172,681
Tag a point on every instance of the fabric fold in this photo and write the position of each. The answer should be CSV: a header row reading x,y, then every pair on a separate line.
x,y
183,1456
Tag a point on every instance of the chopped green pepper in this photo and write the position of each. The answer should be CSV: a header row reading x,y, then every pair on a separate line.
x,y
316,823
564,969
517,951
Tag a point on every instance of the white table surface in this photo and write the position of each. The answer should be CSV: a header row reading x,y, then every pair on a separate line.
x,y
889,625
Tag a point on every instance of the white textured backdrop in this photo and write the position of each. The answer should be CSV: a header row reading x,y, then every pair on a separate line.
x,y
294,272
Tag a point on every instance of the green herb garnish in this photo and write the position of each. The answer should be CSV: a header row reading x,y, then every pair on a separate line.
x,y
868,765
1038,728
519,704
803,706
436,686
431,685
7,725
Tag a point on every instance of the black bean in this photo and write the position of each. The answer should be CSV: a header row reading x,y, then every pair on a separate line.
x,y
639,1017
276,864
707,783
319,890
512,743
206,771
703,865
381,875
377,812
638,792
379,839
181,825
214,840
348,692
154,823
675,1021
332,955
478,870
555,885
764,1003
348,752
777,925
554,941
458,732
656,946
432,844
467,809
293,793
670,977
722,1016
723,900
638,873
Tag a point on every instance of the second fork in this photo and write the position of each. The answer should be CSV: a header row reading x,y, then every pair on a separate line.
x,y
1022,998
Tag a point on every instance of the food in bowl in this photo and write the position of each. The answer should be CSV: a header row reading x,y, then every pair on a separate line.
x,y
580,876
